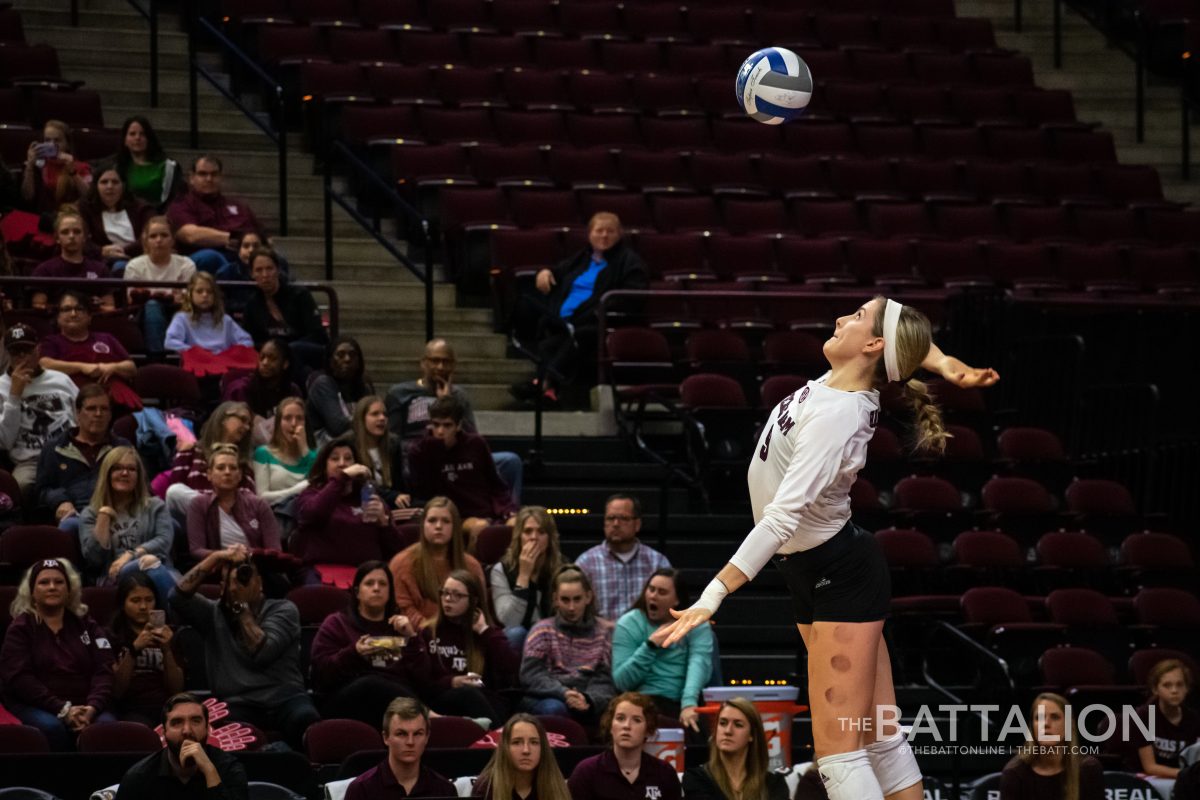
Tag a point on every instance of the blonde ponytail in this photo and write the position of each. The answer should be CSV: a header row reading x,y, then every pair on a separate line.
x,y
931,434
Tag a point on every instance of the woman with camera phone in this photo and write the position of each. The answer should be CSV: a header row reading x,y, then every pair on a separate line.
x,y
368,654
251,645
147,671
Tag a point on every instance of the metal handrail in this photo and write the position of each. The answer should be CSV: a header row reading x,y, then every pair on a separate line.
x,y
361,169
985,655
26,281
278,135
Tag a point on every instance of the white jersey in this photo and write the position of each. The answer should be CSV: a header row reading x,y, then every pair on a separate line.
x,y
800,475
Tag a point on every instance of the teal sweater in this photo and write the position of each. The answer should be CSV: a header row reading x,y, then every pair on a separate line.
x,y
678,672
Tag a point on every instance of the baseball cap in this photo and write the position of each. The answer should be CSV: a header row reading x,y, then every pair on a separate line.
x,y
20,335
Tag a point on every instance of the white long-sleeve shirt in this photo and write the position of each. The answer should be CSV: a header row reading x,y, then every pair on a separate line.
x,y
44,410
800,475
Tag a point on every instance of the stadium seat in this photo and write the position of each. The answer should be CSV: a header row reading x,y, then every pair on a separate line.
x,y
317,602
22,739
167,386
451,732
1071,558
1142,661
23,545
1157,559
331,741
119,737
1002,618
492,544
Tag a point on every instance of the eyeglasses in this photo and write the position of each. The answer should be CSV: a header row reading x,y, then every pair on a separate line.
x,y
622,518
125,468
451,595
71,309
242,417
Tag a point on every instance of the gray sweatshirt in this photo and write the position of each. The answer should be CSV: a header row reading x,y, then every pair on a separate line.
x,y
264,678
149,528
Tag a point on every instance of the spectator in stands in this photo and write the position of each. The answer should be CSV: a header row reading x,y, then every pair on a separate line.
x,y
568,328
265,388
229,514
38,405
147,671
332,394
188,767
408,408
459,465
520,583
281,466
53,177
251,645
381,454
737,767
150,175
567,665
238,269
471,659
114,218
89,357
280,308
1176,725
56,662
620,566
671,676
207,223
401,774
228,424
1049,765
334,525
523,766
367,655
158,262
70,463
71,262
625,771
420,569
207,338
125,528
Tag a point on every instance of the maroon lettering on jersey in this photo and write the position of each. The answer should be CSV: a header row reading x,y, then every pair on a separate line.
x,y
766,445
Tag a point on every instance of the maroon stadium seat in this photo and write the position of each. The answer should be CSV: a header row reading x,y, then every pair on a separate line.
x,y
317,602
493,543
23,545
118,737
331,741
777,387
22,739
452,732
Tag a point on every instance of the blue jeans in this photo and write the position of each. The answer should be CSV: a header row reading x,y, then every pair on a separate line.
x,y
211,260
163,577
117,268
70,525
154,325
546,707
60,737
516,637
512,471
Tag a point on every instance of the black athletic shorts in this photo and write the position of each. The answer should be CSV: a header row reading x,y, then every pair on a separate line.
x,y
845,579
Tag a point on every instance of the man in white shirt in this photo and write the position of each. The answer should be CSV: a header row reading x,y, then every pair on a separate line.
x,y
38,405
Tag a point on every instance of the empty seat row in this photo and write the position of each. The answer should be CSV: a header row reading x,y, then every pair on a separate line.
x,y
878,100
926,24
945,181
278,45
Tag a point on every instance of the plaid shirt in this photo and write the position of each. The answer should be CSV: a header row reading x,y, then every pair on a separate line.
x,y
617,582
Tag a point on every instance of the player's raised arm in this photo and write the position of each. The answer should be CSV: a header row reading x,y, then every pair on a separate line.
x,y
958,372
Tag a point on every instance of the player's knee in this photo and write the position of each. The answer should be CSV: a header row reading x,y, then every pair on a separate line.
x,y
848,776
893,763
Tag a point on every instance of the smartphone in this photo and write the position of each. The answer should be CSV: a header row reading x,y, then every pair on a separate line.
x,y
158,618
46,150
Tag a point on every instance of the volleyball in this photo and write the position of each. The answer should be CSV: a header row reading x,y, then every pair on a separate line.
x,y
774,85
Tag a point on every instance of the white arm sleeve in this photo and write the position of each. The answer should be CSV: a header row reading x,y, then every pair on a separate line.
x,y
816,460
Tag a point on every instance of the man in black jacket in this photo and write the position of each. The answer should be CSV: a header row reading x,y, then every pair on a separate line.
x,y
187,767
568,330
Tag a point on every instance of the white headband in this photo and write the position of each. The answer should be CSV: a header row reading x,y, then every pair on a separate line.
x,y
891,318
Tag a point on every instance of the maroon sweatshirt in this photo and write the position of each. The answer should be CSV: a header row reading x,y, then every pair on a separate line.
x,y
43,669
465,473
336,662
600,777
448,656
330,528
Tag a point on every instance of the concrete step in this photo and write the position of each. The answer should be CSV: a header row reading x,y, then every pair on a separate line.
x,y
38,17
470,370
346,251
411,318
170,103
132,40
409,344
391,295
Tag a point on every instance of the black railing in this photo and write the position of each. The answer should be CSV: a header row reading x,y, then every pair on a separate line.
x,y
198,26
356,168
91,285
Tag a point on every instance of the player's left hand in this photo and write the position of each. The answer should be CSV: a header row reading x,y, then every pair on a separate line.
x,y
685,622
967,377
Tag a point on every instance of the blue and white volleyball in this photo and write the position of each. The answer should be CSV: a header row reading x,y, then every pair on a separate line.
x,y
774,85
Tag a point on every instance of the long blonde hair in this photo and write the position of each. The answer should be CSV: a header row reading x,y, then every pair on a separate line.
x,y
500,772
218,304
1072,759
913,338
424,569
102,495
277,442
754,787
358,424
23,602
551,559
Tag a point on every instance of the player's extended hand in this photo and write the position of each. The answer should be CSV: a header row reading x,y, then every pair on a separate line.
x,y
685,621
967,377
